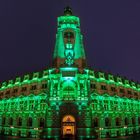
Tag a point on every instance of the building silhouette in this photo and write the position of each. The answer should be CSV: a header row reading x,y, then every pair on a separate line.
x,y
68,99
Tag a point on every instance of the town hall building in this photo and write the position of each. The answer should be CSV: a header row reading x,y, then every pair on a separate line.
x,y
69,99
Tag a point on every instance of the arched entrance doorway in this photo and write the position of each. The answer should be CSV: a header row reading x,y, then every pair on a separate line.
x,y
68,126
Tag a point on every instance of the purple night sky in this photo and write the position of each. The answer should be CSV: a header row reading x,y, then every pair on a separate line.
x,y
111,32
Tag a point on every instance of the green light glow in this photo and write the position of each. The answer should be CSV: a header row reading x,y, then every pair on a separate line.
x,y
100,104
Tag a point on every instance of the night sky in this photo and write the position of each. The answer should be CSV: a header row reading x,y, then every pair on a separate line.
x,y
111,30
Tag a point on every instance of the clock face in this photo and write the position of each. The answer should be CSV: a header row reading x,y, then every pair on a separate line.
x,y
69,37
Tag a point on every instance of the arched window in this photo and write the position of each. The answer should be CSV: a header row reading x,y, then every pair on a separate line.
x,y
126,121
3,120
29,122
139,120
10,121
133,121
95,122
41,122
118,121
19,121
107,122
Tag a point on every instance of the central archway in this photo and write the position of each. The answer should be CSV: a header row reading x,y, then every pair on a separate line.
x,y
68,126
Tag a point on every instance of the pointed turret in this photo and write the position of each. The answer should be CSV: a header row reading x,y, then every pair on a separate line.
x,y
69,48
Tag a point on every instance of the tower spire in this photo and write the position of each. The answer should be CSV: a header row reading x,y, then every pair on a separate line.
x,y
67,11
69,48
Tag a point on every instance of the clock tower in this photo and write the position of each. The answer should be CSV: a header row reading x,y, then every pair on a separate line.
x,y
69,48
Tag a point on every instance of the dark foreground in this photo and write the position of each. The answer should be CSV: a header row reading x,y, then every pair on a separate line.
x,y
135,137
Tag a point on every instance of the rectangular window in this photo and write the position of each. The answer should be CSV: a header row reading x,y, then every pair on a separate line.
x,y
113,89
44,86
103,87
129,92
24,89
136,95
1,94
121,90
15,90
93,86
7,94
33,87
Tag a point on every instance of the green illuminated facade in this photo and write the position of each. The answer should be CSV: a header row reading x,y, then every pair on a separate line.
x,y
69,100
